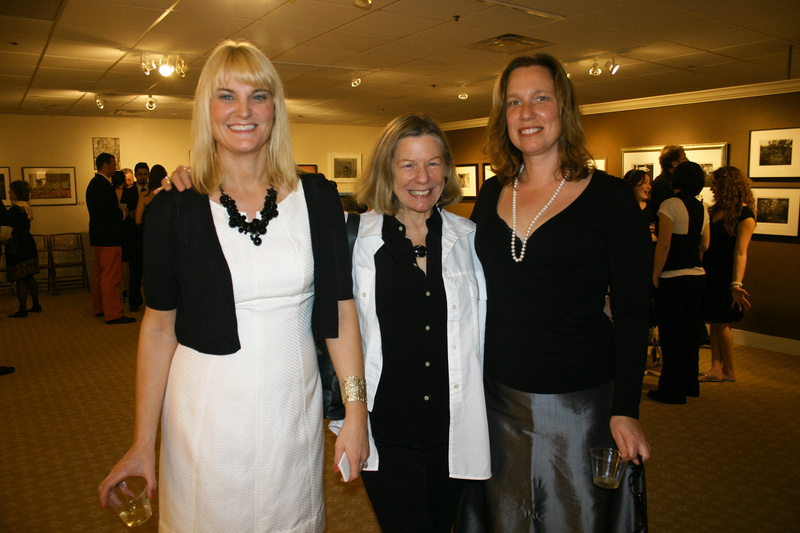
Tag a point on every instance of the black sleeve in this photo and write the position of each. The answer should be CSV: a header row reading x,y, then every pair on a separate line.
x,y
486,203
629,255
332,262
160,253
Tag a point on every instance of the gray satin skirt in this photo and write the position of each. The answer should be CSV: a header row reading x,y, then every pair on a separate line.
x,y
541,474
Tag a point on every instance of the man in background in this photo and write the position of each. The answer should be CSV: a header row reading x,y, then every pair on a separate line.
x,y
142,172
105,236
671,156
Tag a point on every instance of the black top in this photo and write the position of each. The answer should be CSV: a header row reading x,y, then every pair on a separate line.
x,y
718,259
661,190
546,331
105,216
684,249
22,246
185,268
411,403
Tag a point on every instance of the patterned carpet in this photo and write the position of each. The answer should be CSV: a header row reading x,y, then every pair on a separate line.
x,y
725,462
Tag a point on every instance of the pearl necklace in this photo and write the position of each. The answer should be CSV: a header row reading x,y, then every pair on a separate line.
x,y
530,226
256,227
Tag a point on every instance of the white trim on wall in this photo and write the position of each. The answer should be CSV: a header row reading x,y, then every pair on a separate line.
x,y
695,97
767,342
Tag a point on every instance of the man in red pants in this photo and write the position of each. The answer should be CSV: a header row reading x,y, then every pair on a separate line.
x,y
105,236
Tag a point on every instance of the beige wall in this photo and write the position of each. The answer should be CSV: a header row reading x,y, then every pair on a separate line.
x,y
773,263
38,141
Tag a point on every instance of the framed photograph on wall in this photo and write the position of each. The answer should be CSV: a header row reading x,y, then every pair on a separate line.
x,y
344,169
600,163
51,185
467,176
710,156
308,169
109,145
772,154
5,180
487,171
777,211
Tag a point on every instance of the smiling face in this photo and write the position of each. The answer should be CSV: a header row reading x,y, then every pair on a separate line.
x,y
241,118
418,174
642,191
534,124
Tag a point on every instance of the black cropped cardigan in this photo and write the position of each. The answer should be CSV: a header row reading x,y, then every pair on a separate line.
x,y
185,268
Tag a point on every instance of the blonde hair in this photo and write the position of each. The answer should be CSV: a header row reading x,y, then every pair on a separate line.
x,y
374,187
242,62
572,152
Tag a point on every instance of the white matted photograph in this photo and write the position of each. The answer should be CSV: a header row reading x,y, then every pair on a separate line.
x,y
777,211
467,176
599,163
5,180
51,185
344,169
487,171
772,154
710,156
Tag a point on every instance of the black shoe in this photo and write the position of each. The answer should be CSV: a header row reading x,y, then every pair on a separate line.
x,y
35,309
121,320
661,396
134,308
22,313
6,370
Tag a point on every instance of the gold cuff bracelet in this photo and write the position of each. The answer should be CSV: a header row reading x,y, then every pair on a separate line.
x,y
354,389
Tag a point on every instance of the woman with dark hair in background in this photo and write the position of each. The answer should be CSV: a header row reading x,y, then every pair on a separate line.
x,y
553,235
640,182
157,173
22,257
724,298
678,275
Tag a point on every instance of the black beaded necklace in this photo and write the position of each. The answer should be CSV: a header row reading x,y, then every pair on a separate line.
x,y
256,227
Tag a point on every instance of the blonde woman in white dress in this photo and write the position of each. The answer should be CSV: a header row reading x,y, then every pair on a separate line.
x,y
242,273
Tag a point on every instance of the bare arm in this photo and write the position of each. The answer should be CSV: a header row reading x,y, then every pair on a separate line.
x,y
157,345
705,239
662,246
348,360
744,231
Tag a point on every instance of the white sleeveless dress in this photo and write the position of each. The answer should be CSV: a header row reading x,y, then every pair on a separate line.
x,y
242,435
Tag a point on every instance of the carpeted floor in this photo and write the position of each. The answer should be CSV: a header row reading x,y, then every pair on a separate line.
x,y
725,462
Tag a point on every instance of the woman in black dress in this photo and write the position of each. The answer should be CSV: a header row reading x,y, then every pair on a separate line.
x,y
724,298
22,258
641,183
553,234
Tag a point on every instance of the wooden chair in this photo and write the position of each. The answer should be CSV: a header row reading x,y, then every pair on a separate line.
x,y
66,252
5,285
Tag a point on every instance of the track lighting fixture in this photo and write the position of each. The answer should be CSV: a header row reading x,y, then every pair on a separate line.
x,y
99,101
165,64
151,103
363,4
463,94
355,80
612,65
595,70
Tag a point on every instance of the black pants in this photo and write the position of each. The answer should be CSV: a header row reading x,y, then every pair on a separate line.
x,y
678,308
412,491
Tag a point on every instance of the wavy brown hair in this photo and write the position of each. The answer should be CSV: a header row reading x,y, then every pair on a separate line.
x,y
374,187
506,158
733,193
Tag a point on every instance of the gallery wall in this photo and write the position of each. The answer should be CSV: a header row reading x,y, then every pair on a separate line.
x,y
47,141
773,262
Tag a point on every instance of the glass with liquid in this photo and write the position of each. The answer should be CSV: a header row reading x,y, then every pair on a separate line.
x,y
607,467
129,499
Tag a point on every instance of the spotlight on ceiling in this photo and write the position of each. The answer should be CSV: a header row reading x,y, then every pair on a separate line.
x,y
99,101
166,66
151,103
148,64
363,4
595,70
180,67
612,65
355,80
463,94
